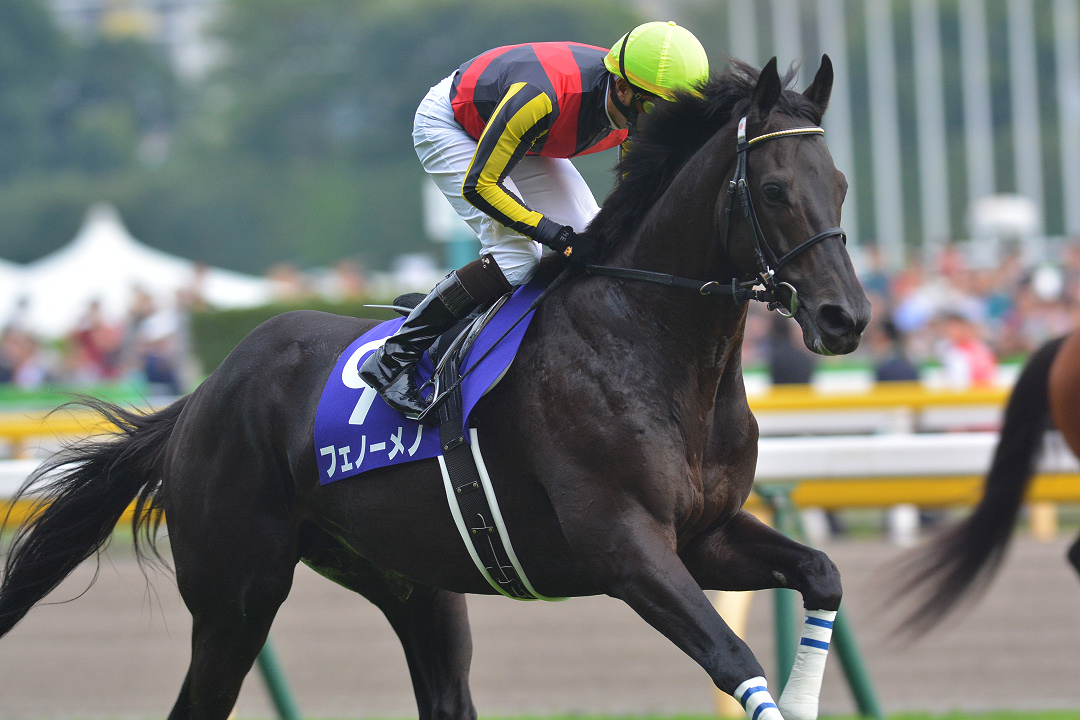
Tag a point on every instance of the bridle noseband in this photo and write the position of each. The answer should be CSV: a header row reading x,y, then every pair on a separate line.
x,y
763,286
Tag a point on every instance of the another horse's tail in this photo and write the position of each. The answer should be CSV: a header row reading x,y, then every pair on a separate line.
x,y
78,497
964,559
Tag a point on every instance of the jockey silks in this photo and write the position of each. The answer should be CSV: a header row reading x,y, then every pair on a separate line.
x,y
544,99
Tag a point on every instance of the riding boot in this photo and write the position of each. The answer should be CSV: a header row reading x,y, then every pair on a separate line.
x,y
391,370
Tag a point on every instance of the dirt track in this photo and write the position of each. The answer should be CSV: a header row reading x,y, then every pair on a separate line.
x,y
119,651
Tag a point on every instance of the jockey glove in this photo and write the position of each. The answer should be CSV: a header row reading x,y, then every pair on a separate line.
x,y
578,248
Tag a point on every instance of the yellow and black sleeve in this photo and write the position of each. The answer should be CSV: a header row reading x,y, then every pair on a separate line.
x,y
519,123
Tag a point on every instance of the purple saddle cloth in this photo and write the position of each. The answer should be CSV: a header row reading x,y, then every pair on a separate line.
x,y
355,431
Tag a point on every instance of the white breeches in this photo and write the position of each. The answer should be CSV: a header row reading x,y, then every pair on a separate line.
x,y
550,186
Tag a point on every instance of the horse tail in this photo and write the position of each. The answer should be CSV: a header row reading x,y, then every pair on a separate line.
x,y
78,496
963,559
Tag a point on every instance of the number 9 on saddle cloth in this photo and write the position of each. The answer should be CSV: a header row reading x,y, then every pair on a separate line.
x,y
356,432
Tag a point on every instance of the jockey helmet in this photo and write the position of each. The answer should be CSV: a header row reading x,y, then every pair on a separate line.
x,y
660,58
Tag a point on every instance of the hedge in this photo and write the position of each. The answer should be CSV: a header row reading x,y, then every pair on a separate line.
x,y
215,333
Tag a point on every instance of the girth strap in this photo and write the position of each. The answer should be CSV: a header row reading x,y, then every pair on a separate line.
x,y
473,503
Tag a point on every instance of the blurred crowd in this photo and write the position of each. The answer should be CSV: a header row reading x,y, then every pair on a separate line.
x,y
149,345
952,316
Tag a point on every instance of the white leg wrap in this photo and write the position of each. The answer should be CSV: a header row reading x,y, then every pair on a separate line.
x,y
799,701
756,700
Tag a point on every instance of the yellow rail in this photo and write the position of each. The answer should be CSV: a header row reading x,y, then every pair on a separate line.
x,y
823,492
19,512
785,398
932,491
20,429
20,426
75,423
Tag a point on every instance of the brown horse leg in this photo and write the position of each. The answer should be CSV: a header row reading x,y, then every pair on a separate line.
x,y
432,624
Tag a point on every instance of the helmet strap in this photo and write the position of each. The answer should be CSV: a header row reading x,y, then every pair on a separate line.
x,y
628,111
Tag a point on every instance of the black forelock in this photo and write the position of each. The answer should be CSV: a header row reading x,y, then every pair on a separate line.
x,y
668,137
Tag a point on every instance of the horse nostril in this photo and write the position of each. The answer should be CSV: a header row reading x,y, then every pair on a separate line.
x,y
835,320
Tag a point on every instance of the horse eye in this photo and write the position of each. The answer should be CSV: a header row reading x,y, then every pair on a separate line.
x,y
773,192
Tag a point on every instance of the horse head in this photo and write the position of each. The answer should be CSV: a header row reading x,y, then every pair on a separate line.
x,y
782,224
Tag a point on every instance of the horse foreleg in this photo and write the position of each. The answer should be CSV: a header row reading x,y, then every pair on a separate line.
x,y
638,563
746,554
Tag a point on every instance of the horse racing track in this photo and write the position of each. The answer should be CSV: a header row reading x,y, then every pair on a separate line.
x,y
121,650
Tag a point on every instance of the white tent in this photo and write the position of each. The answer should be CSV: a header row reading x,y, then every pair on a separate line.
x,y
104,262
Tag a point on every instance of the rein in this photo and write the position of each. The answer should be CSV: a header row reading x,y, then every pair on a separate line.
x,y
762,287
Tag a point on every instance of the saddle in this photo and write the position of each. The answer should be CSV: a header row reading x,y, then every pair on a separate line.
x,y
459,338
468,489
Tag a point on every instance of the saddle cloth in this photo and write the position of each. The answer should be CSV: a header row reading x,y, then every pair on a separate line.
x,y
355,431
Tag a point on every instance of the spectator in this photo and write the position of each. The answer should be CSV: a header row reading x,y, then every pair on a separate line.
x,y
159,344
788,363
966,359
24,362
96,347
891,360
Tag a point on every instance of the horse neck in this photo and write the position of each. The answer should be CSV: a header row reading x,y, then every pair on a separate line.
x,y
679,236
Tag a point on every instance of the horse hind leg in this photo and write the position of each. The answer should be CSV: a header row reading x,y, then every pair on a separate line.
x,y
231,617
432,624
234,569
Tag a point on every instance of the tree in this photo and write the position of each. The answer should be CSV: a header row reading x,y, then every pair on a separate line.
x,y
32,55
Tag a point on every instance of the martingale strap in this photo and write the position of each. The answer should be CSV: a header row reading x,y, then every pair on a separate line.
x,y
472,500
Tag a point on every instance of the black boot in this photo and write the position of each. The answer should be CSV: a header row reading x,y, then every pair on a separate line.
x,y
392,368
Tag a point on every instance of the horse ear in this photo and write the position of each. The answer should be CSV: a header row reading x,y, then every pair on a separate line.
x,y
820,90
766,93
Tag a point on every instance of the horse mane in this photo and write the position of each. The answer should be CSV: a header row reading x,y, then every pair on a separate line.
x,y
668,137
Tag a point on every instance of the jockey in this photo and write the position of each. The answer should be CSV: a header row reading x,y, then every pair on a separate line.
x,y
495,137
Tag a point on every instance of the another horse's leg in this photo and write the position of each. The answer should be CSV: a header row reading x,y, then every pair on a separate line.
x,y
1074,554
432,624
746,554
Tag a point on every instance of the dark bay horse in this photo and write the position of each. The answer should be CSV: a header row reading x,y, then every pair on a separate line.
x,y
962,560
620,442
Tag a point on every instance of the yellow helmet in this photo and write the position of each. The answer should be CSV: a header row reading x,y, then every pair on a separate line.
x,y
659,57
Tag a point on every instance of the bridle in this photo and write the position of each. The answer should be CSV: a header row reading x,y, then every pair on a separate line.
x,y
762,286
